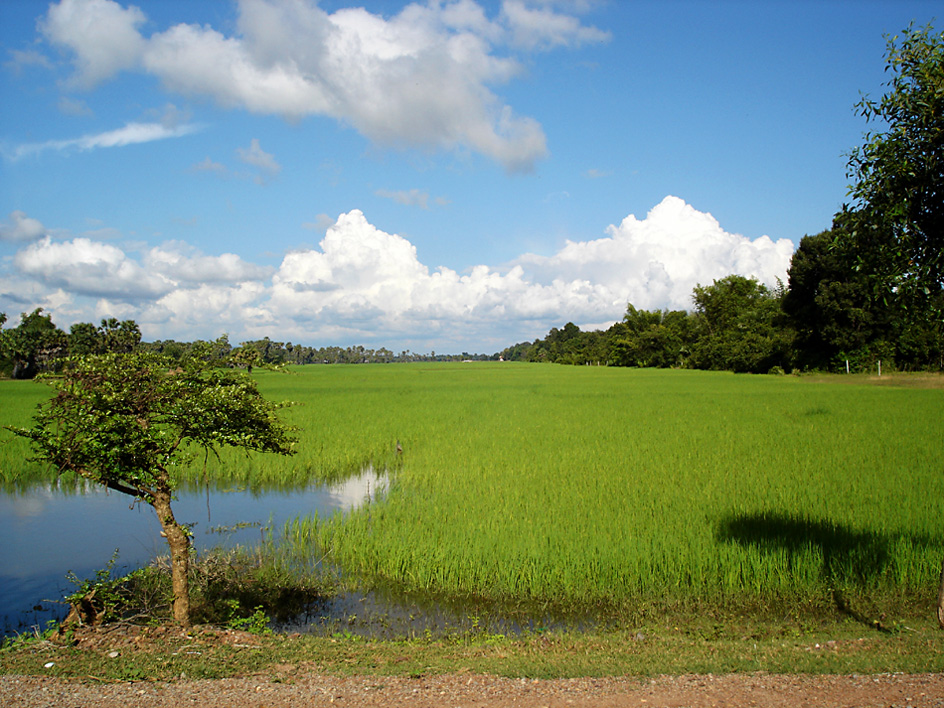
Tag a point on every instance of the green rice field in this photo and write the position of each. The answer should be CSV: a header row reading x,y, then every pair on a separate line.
x,y
597,486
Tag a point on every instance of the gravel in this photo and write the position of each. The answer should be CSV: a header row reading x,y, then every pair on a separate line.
x,y
299,688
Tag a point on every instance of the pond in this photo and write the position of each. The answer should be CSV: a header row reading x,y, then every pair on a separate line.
x,y
48,532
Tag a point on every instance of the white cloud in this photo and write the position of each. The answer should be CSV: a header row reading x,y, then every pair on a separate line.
x,y
130,134
657,261
102,35
21,59
371,282
420,78
87,267
21,228
363,285
544,28
183,264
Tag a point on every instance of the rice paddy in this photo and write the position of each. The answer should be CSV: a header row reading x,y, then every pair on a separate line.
x,y
595,486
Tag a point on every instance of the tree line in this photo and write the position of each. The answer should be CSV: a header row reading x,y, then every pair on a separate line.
x,y
37,345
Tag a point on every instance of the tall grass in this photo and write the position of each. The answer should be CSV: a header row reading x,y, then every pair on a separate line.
x,y
18,402
597,485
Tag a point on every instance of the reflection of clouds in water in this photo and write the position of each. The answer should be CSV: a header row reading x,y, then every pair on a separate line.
x,y
28,505
36,501
355,491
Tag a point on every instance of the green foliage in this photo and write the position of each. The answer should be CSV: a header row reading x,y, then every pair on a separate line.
x,y
129,423
33,346
657,339
102,598
112,336
898,173
224,583
829,304
741,327
255,623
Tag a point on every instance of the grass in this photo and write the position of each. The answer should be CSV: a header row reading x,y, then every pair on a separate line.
x,y
630,493
774,646
599,486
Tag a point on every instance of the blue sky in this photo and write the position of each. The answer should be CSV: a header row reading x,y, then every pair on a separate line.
x,y
446,175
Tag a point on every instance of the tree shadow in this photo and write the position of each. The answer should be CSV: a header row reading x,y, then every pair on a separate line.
x,y
850,558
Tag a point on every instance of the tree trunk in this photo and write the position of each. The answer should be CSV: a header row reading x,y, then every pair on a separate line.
x,y
940,599
179,542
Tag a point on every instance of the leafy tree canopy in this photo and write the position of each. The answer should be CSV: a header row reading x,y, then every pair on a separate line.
x,y
898,175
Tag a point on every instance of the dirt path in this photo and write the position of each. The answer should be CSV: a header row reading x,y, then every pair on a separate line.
x,y
759,690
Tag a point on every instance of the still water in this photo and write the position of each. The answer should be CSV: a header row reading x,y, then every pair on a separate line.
x,y
45,533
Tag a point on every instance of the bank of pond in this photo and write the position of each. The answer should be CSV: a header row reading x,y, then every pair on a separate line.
x,y
545,487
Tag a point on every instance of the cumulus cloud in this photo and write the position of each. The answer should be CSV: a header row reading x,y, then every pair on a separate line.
x,y
91,268
130,134
21,228
364,275
420,78
102,35
657,261
183,264
365,285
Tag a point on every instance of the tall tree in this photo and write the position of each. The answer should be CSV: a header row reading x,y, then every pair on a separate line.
x,y
651,338
898,176
128,422
830,303
898,184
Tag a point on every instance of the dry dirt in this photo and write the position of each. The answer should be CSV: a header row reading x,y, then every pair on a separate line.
x,y
308,689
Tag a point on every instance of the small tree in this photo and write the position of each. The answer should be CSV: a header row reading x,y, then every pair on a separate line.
x,y
129,423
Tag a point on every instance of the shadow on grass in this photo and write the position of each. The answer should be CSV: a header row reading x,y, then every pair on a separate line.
x,y
850,558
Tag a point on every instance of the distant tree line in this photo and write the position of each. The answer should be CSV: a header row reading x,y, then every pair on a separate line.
x,y
37,345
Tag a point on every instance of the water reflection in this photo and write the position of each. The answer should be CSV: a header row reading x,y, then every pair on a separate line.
x,y
47,532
